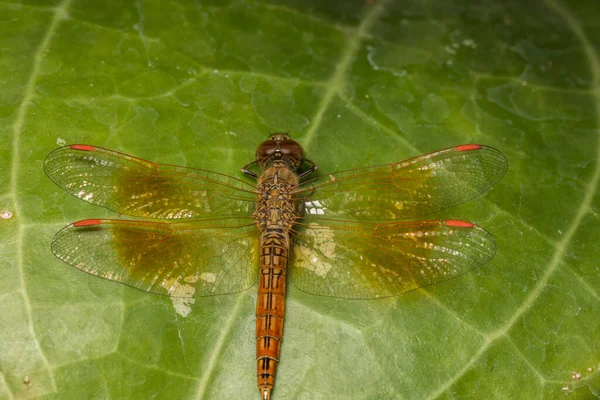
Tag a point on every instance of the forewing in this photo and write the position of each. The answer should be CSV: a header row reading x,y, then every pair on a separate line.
x,y
141,188
412,188
182,259
368,261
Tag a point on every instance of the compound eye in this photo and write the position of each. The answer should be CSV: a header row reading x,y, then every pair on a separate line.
x,y
291,149
266,149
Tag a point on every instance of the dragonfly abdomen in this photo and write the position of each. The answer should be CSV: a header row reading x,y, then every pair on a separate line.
x,y
270,307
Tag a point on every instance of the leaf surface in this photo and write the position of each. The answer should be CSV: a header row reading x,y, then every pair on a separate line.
x,y
357,83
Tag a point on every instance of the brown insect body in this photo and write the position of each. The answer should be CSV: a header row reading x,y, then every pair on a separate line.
x,y
275,215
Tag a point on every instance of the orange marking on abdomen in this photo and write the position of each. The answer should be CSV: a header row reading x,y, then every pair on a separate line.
x,y
270,307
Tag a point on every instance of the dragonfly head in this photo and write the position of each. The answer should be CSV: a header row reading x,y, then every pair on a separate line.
x,y
280,147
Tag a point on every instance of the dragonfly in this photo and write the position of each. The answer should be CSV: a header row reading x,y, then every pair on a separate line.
x,y
349,234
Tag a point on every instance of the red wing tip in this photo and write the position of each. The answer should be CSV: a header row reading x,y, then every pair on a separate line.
x,y
87,222
459,224
468,147
84,147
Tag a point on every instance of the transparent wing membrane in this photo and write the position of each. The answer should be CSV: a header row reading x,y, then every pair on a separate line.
x,y
181,259
367,261
339,248
141,188
407,189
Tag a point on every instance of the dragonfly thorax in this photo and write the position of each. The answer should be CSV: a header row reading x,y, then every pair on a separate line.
x,y
280,147
275,207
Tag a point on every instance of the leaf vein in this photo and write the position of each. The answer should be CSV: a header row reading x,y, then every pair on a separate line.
x,y
586,202
337,81
218,349
60,13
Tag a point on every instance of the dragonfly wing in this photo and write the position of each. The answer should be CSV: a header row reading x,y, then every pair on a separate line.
x,y
368,261
407,189
181,259
141,188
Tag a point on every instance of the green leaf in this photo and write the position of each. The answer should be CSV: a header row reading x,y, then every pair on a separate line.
x,y
357,83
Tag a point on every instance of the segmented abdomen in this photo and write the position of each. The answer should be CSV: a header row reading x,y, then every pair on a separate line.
x,y
270,307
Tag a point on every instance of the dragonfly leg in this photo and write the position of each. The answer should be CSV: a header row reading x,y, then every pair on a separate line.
x,y
312,168
245,170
